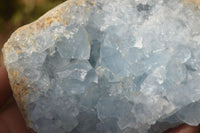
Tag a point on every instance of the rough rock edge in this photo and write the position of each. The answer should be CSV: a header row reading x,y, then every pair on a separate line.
x,y
18,83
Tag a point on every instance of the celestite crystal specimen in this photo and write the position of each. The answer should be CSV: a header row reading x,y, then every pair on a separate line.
x,y
108,66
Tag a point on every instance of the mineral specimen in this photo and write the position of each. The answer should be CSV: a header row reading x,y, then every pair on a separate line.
x,y
108,66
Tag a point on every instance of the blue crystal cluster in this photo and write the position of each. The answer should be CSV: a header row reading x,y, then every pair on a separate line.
x,y
108,66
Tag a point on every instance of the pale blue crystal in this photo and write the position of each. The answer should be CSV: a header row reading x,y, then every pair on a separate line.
x,y
108,66
74,43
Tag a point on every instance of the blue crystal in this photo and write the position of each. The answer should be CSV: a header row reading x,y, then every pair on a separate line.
x,y
102,66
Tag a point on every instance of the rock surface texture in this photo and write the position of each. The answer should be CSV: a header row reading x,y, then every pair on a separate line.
x,y
108,66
